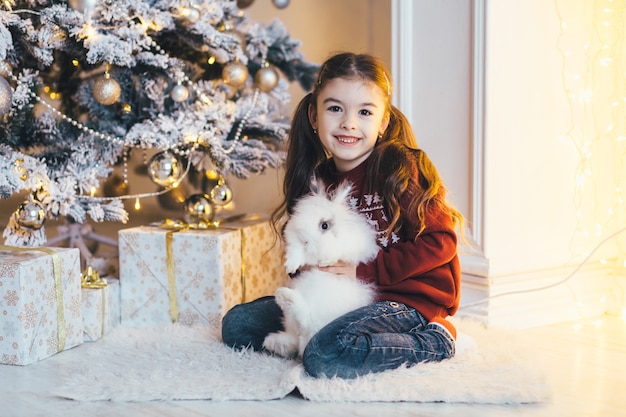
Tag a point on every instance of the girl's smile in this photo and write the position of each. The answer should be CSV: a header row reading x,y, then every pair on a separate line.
x,y
349,116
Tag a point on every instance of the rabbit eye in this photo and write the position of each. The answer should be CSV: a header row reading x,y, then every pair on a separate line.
x,y
324,225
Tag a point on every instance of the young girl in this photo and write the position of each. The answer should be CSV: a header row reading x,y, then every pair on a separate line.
x,y
347,129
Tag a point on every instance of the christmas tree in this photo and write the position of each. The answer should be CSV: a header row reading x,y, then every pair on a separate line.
x,y
84,83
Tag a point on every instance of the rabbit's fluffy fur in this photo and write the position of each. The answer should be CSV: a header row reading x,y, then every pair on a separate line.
x,y
322,230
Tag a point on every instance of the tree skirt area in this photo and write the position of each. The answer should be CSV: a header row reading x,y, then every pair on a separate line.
x,y
183,363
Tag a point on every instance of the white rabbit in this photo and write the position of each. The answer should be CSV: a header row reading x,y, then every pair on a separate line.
x,y
322,231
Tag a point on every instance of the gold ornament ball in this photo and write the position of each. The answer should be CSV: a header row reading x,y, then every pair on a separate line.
x,y
266,79
221,194
198,208
235,74
6,96
106,91
31,214
179,93
165,169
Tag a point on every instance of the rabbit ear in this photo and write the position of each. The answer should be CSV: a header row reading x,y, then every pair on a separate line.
x,y
317,186
343,192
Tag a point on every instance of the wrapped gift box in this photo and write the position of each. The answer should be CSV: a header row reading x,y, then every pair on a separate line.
x,y
40,303
197,276
262,257
101,310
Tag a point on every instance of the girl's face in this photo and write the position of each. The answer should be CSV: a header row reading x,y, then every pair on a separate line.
x,y
349,115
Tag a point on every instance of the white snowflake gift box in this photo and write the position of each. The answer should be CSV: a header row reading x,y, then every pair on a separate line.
x,y
193,276
40,303
101,308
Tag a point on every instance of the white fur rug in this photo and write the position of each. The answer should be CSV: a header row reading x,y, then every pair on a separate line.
x,y
182,363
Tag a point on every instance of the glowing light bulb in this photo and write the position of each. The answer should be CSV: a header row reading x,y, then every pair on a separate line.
x,y
137,204
93,191
605,62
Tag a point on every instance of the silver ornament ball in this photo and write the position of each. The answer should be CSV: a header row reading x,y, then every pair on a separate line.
x,y
106,91
198,208
6,96
266,79
191,15
31,214
221,194
165,169
235,74
179,93
281,4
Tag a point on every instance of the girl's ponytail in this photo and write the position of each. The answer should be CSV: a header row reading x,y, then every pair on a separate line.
x,y
304,153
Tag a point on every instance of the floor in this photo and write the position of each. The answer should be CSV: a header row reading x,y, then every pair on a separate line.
x,y
585,364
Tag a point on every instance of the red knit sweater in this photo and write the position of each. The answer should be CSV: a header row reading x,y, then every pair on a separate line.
x,y
425,273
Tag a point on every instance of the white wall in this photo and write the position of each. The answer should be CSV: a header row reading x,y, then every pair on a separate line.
x,y
546,168
529,172
441,42
532,198
551,163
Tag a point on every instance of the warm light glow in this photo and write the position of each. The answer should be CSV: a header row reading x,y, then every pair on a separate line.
x,y
137,204
594,84
93,191
211,60
89,32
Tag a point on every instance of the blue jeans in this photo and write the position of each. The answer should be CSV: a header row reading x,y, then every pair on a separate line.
x,y
374,338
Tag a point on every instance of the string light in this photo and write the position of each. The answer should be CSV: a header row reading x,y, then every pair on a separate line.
x,y
594,83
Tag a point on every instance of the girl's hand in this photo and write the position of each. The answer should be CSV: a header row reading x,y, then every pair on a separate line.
x,y
340,268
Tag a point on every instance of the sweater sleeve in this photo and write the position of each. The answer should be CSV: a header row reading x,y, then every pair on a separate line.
x,y
435,247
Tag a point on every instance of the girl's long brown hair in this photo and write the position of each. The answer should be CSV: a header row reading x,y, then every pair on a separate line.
x,y
390,172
